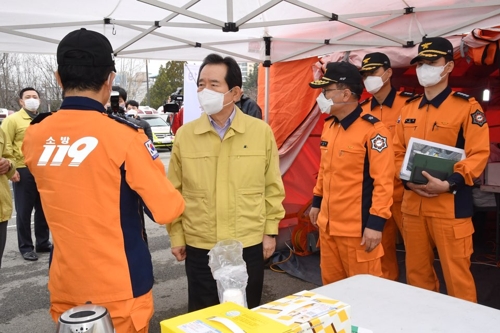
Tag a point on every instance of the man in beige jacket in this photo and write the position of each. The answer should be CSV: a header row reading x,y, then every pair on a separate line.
x,y
26,196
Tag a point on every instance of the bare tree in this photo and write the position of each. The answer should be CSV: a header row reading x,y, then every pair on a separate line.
x,y
8,87
18,71
131,76
50,90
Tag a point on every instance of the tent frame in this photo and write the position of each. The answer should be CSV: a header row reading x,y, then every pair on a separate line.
x,y
243,23
313,45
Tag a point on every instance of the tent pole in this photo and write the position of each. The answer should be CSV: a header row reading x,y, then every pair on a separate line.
x,y
266,95
267,65
147,83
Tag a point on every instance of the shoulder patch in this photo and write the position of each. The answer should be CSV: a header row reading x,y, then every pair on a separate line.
x,y
366,101
151,149
462,95
40,117
406,94
371,119
478,118
414,98
124,121
379,142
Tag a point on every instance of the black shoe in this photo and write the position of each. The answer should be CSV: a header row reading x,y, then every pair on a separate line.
x,y
31,256
44,249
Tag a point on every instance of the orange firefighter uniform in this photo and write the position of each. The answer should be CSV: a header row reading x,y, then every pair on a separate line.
x,y
444,222
94,173
353,191
388,113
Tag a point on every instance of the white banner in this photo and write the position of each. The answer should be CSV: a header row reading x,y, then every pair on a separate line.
x,y
192,109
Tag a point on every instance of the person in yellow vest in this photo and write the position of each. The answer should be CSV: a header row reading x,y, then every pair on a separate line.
x,y
26,195
438,214
385,105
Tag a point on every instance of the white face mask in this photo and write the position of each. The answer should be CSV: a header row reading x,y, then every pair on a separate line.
x,y
324,104
212,102
428,75
374,83
31,104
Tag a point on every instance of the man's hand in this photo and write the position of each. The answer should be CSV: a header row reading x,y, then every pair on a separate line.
x,y
433,188
4,166
179,253
371,238
16,178
269,245
313,216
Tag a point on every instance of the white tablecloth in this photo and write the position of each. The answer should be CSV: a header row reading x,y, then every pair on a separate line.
x,y
386,306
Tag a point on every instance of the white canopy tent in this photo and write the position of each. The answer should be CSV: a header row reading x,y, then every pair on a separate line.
x,y
266,31
189,30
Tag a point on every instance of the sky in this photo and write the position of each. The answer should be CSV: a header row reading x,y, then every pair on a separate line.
x,y
154,66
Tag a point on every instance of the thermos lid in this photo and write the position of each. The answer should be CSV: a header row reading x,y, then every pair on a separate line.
x,y
83,314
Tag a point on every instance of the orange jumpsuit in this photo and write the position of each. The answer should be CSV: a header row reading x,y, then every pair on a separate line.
x,y
353,191
444,222
388,112
93,173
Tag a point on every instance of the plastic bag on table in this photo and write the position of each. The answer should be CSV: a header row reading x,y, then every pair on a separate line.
x,y
230,271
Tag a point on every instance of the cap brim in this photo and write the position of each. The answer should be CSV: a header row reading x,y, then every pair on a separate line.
x,y
426,57
321,83
368,68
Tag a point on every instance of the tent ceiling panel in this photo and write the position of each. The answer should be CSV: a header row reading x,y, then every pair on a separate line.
x,y
189,30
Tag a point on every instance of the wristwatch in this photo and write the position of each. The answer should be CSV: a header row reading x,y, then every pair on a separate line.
x,y
453,187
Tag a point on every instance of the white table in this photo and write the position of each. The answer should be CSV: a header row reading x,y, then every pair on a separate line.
x,y
385,306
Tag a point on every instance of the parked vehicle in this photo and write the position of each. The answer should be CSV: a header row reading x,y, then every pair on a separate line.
x,y
166,116
162,134
3,114
146,110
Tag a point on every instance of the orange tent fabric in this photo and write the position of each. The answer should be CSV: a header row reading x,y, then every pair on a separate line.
x,y
297,125
290,100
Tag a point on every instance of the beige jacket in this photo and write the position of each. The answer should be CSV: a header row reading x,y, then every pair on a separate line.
x,y
14,127
5,195
232,188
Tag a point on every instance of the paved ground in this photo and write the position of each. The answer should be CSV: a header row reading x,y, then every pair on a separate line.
x,y
24,299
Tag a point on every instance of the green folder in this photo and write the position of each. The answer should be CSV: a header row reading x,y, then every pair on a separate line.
x,y
437,167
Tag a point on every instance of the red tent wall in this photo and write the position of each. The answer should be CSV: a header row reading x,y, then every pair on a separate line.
x,y
290,98
291,102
